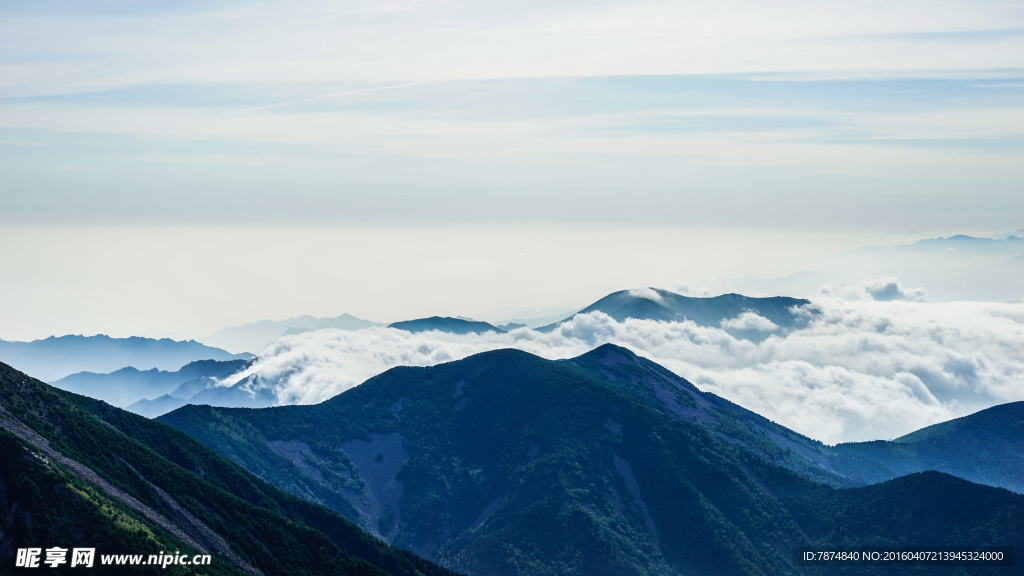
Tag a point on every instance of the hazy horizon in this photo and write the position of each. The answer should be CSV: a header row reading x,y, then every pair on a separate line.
x,y
187,283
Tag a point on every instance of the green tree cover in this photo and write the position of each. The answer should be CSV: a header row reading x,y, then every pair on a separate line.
x,y
43,505
272,530
512,465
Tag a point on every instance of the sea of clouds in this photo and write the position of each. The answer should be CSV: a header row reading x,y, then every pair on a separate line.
x,y
868,365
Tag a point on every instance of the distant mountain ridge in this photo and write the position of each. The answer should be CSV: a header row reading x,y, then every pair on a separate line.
x,y
55,357
743,317
1010,242
505,463
445,324
782,313
243,394
1018,234
255,336
960,245
129,385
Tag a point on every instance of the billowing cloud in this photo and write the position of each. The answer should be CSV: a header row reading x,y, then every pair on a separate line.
x,y
749,320
880,289
648,293
685,289
860,370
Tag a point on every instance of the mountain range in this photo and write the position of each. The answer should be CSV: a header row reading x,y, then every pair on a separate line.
x,y
1004,235
77,472
742,316
246,393
1008,244
129,385
505,463
729,311
256,336
55,357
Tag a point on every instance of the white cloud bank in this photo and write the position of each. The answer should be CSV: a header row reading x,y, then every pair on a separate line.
x,y
749,320
861,370
880,289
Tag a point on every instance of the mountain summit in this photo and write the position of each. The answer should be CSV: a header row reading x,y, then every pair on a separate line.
x,y
747,317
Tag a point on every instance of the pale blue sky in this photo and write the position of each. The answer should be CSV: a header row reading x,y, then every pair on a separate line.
x,y
842,121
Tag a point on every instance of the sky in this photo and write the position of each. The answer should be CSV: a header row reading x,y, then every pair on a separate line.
x,y
171,169
788,114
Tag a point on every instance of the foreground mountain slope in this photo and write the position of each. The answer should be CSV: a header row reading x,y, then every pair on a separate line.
x,y
169,484
45,504
56,357
780,312
506,463
129,385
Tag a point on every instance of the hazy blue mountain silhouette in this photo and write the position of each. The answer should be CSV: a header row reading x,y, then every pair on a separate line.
x,y
511,326
444,324
128,385
960,245
56,357
243,394
256,336
963,242
1018,234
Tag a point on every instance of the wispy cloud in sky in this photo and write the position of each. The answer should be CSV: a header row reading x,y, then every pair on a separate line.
x,y
341,104
121,43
